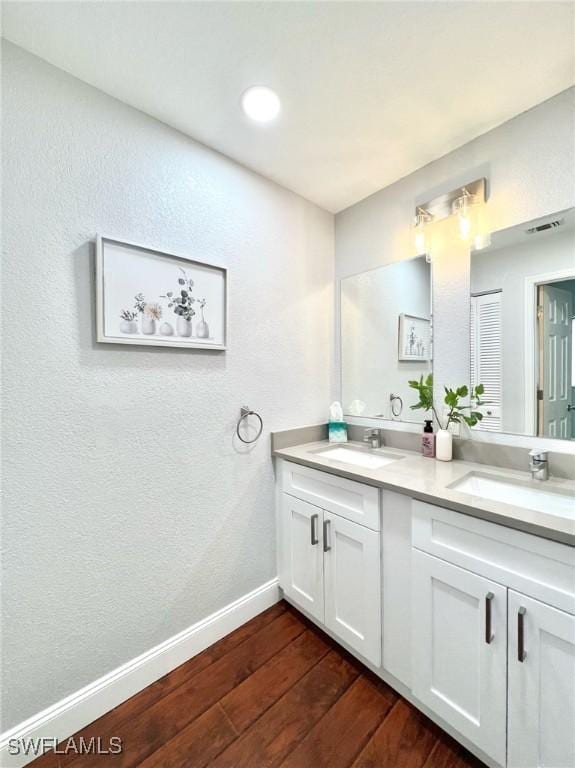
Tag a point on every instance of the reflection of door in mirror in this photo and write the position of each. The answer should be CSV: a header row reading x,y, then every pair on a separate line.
x,y
555,331
521,310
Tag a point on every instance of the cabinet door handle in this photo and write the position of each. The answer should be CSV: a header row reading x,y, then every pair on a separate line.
x,y
488,633
521,653
326,544
313,520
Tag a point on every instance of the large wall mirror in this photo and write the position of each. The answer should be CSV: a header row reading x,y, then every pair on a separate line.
x,y
385,339
522,309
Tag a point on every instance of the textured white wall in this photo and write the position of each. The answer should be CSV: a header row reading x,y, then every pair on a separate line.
x,y
128,511
530,165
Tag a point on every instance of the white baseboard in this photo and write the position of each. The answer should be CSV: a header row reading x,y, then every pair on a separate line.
x,y
69,715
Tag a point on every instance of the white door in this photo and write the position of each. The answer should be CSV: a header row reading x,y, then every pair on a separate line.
x,y
352,585
301,555
459,650
555,330
541,685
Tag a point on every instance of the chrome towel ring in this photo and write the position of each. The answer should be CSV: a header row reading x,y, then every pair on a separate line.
x,y
394,409
245,412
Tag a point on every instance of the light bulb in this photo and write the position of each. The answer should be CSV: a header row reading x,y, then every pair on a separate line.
x,y
465,207
464,226
421,219
420,242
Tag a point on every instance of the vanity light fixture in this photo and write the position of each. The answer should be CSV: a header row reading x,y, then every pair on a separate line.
x,y
467,203
260,103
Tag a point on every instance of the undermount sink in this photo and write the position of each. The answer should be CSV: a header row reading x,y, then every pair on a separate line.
x,y
369,459
520,493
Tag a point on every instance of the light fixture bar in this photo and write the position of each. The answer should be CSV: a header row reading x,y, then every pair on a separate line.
x,y
442,206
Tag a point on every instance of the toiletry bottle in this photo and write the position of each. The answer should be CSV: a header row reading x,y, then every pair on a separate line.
x,y
428,440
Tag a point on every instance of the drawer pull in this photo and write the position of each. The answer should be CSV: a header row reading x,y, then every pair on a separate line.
x,y
521,653
313,520
326,544
488,633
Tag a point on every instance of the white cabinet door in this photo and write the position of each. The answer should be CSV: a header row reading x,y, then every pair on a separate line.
x,y
541,685
459,650
352,585
301,555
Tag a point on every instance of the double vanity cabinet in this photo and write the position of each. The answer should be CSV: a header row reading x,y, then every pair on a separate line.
x,y
472,621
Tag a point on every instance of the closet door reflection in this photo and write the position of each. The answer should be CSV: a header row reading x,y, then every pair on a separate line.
x,y
486,356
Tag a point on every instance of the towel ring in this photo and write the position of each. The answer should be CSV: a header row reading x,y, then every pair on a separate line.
x,y
244,413
392,399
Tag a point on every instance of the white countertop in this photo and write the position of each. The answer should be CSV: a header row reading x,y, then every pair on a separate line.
x,y
428,480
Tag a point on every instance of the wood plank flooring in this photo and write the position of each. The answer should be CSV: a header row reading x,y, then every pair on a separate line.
x,y
276,692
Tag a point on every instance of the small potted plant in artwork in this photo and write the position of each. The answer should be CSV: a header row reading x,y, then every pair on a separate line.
x,y
129,323
181,301
139,306
455,411
202,328
151,315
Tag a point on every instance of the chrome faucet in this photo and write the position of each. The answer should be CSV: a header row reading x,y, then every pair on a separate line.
x,y
538,464
374,437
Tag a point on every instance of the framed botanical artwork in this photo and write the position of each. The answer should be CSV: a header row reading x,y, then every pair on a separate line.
x,y
144,296
414,338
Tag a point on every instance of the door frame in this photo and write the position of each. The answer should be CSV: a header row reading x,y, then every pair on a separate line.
x,y
531,369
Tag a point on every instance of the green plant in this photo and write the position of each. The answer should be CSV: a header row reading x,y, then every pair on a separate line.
x,y
456,413
456,409
424,388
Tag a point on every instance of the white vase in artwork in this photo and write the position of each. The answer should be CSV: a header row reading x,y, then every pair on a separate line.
x,y
148,325
167,329
129,326
184,327
443,445
202,330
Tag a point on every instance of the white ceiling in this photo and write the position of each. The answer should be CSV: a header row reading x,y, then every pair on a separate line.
x,y
371,91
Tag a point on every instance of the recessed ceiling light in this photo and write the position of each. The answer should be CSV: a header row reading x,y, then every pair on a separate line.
x,y
260,103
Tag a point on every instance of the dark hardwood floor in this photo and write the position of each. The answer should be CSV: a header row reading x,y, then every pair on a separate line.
x,y
276,692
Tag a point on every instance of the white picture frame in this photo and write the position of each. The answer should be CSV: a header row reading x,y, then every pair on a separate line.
x,y
133,302
414,338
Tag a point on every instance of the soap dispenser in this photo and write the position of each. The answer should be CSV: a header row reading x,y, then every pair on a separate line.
x,y
428,440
